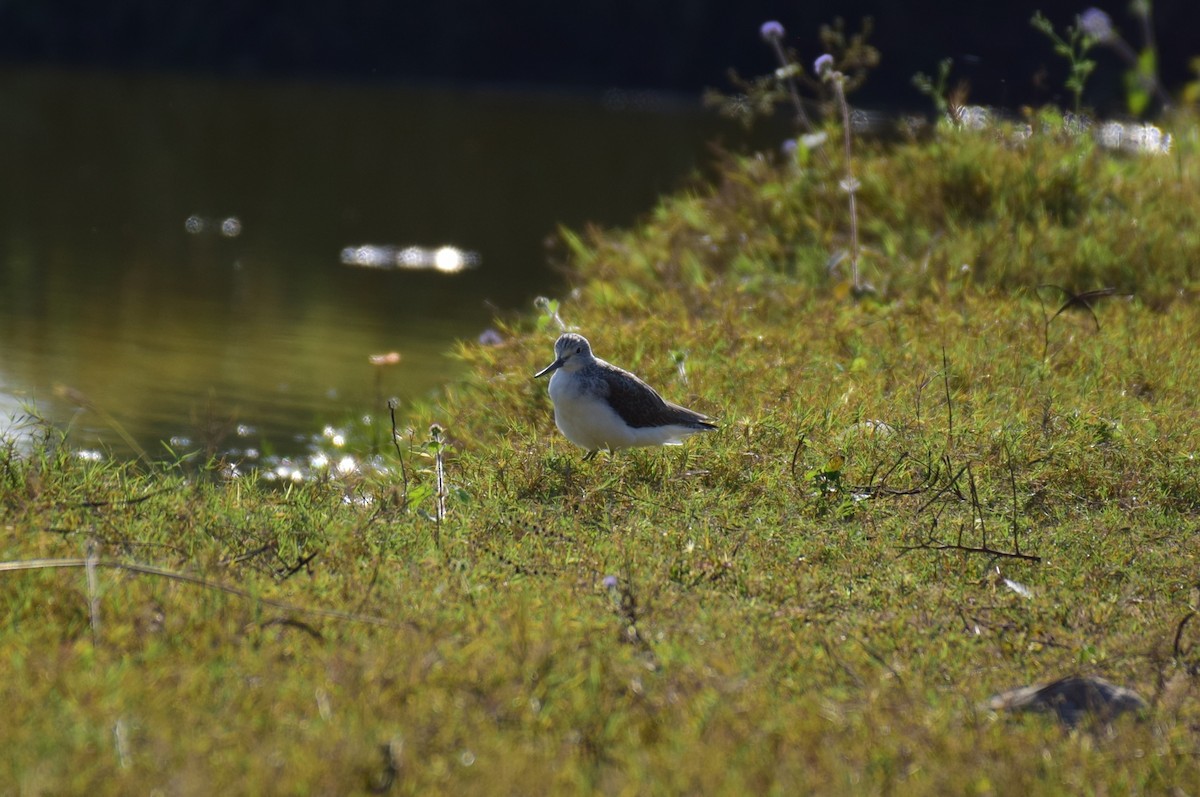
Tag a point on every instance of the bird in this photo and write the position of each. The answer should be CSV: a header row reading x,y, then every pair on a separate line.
x,y
598,405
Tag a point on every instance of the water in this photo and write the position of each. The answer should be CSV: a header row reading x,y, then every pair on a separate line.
x,y
130,317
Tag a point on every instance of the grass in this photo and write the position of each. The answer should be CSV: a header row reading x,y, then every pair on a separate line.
x,y
817,598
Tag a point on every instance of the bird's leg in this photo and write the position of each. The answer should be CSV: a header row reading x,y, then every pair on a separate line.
x,y
591,455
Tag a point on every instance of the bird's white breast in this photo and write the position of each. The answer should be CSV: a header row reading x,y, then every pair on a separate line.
x,y
587,420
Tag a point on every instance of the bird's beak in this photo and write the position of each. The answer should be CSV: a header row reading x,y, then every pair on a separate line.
x,y
554,366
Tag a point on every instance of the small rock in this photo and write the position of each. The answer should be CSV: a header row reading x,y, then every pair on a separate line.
x,y
1070,699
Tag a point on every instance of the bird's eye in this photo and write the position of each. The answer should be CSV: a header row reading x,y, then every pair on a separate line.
x,y
579,350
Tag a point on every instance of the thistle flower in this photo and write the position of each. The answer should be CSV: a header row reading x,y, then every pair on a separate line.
x,y
823,64
771,30
609,582
490,337
1097,24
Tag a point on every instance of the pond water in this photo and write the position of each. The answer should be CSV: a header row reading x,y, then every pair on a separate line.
x,y
171,248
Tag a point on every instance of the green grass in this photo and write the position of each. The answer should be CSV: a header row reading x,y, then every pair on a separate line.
x,y
800,605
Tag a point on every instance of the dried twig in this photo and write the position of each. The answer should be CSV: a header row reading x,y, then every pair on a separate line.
x,y
90,563
927,546
1178,646
949,401
439,471
399,456
128,501
151,570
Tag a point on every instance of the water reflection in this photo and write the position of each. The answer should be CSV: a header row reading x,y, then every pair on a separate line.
x,y
230,227
1137,138
446,259
171,249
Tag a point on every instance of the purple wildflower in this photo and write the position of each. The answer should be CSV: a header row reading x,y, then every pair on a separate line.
x,y
1097,24
490,337
823,64
610,582
771,30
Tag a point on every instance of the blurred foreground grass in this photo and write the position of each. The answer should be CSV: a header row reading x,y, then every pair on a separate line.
x,y
819,597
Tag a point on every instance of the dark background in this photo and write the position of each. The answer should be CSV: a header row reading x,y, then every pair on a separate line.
x,y
670,45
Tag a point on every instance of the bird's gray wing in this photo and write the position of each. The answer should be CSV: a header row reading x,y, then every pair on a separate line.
x,y
640,406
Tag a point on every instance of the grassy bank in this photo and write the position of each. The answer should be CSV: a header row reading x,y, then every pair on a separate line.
x,y
917,499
